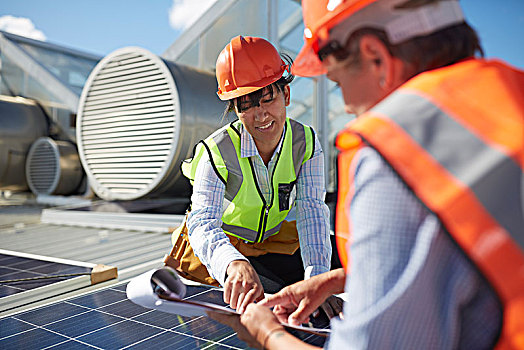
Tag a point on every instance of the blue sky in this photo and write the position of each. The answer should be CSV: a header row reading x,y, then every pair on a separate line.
x,y
102,26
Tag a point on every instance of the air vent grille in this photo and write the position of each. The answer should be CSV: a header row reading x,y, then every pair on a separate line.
x,y
43,166
126,125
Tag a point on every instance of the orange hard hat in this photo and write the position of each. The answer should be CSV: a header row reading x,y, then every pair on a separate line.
x,y
325,21
245,65
319,17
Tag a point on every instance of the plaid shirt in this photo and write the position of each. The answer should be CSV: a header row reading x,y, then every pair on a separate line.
x,y
211,244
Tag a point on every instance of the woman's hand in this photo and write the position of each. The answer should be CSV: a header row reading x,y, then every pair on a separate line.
x,y
242,285
260,322
233,321
259,328
296,302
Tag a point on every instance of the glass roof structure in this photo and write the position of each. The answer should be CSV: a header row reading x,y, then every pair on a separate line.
x,y
50,74
26,62
279,21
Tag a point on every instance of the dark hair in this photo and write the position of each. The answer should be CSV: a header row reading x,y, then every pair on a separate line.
x,y
422,53
284,80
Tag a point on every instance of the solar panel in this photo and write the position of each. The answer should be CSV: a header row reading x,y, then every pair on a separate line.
x,y
106,319
25,278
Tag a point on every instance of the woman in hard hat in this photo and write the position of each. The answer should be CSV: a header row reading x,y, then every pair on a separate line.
x,y
247,177
430,184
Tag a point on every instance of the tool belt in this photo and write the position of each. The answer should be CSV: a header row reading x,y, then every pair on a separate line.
x,y
183,259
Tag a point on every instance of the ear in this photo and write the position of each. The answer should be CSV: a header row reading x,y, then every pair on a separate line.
x,y
287,95
381,64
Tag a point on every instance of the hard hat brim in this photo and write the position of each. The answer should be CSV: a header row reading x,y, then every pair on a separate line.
x,y
244,90
240,91
307,63
399,25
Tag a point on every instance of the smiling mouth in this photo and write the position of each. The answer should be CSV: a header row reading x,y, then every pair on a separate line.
x,y
264,127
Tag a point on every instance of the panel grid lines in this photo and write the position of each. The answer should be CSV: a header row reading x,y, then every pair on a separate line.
x,y
22,274
106,319
114,305
146,324
48,330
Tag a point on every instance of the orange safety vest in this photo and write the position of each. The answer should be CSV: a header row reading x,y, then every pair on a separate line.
x,y
455,136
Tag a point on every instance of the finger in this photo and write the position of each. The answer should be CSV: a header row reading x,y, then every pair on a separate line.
x,y
227,291
260,296
275,299
282,310
241,297
236,289
279,309
251,296
281,313
229,320
248,298
301,314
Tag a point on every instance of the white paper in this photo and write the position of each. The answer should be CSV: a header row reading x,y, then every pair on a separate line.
x,y
140,291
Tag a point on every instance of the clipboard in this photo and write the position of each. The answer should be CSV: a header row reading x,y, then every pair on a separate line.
x,y
162,289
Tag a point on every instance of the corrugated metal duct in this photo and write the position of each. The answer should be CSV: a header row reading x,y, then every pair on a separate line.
x,y
139,116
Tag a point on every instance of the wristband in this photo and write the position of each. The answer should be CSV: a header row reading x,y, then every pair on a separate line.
x,y
269,334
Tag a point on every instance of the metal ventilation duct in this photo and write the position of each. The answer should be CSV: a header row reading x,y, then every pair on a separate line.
x,y
21,123
53,167
139,117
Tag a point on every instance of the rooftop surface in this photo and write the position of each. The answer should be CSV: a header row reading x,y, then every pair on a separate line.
x,y
131,251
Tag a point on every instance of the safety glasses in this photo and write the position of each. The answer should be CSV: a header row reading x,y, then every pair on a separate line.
x,y
258,98
333,48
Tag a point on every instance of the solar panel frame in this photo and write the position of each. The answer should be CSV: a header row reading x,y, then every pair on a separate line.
x,y
107,319
16,265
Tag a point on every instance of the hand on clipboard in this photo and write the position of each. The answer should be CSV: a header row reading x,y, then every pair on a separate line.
x,y
162,289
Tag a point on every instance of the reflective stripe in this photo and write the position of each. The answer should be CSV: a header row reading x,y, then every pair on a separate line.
x,y
229,156
346,168
272,231
477,165
247,234
299,144
241,232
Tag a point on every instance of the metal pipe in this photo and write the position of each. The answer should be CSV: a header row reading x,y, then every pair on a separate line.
x,y
21,123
